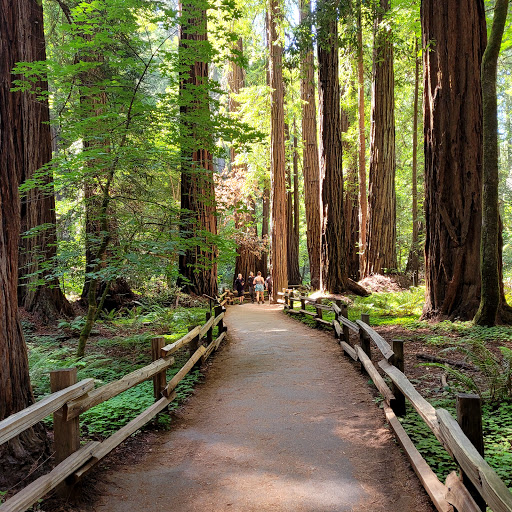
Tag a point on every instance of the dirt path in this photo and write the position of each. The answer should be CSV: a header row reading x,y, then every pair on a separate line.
x,y
282,423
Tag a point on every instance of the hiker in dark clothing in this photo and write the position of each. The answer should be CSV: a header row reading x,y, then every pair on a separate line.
x,y
250,282
239,285
268,285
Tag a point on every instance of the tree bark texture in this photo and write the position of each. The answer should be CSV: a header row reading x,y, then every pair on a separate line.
x,y
363,196
197,263
16,25
311,164
380,250
246,259
334,265
490,253
413,262
265,222
351,204
454,38
38,204
277,154
292,244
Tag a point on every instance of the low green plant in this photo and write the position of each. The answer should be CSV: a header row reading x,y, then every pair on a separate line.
x,y
495,373
74,325
497,430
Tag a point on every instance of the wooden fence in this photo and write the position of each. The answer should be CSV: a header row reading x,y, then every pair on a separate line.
x,y
69,399
479,485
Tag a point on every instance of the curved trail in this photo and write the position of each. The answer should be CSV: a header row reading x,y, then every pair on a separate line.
x,y
282,422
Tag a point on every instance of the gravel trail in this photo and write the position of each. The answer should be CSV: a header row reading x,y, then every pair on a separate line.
x,y
283,422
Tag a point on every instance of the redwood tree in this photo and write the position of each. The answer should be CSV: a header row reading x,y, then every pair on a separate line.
x,y
334,267
310,165
197,262
363,196
454,38
292,207
380,250
490,254
246,258
18,21
277,153
38,204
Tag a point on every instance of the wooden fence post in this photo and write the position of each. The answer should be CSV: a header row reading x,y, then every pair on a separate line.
x,y
346,330
303,303
292,295
319,310
160,379
286,303
469,417
194,345
218,310
398,404
364,340
209,332
66,434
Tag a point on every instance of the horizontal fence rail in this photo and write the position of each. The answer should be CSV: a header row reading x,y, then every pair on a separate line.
x,y
67,404
453,493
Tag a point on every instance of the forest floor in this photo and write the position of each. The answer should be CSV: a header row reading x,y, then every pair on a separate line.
x,y
282,422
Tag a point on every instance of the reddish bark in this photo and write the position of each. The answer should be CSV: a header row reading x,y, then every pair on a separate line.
x,y
380,252
334,267
16,23
454,38
38,205
197,263
277,155
311,164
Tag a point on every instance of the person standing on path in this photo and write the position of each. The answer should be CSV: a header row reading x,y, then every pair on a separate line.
x,y
268,284
250,282
259,286
239,285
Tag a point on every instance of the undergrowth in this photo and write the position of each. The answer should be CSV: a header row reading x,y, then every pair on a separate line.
x,y
110,358
497,428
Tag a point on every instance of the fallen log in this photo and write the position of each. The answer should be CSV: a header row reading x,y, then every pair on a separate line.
x,y
435,359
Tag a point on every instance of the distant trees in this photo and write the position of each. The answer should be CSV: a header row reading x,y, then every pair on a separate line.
x,y
39,292
334,253
454,38
310,162
380,250
277,152
198,224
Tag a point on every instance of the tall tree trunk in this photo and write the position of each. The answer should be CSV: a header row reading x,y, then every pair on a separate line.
x,y
310,165
351,205
291,201
489,247
277,154
334,265
19,19
246,259
454,38
263,260
413,262
198,262
380,250
363,198
38,205
95,103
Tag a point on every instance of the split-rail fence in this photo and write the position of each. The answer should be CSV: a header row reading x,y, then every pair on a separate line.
x,y
69,399
478,485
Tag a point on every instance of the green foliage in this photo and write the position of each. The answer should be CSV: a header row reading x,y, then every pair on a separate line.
x,y
402,307
111,359
497,428
494,379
